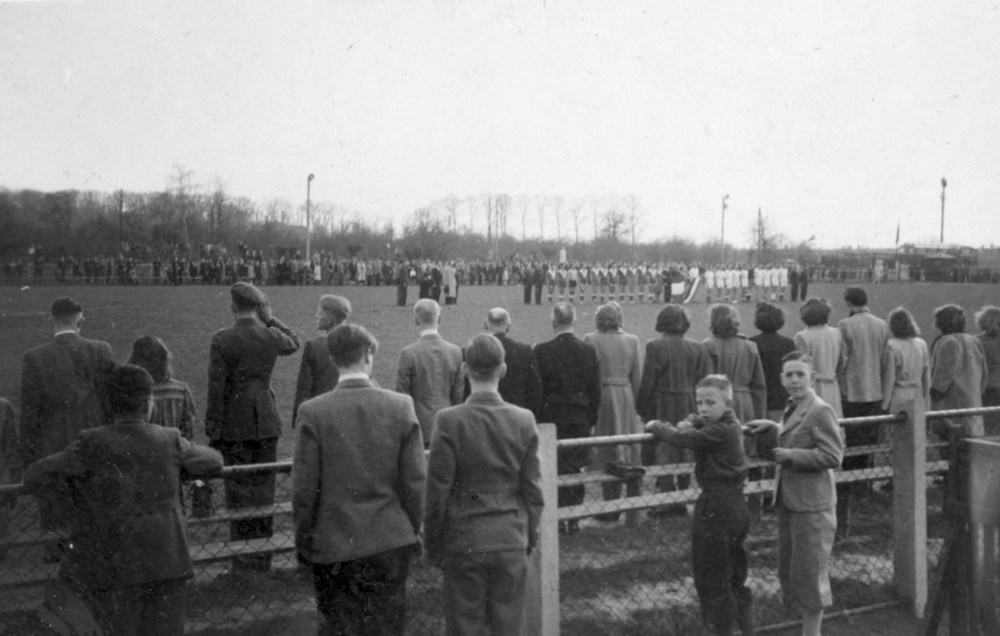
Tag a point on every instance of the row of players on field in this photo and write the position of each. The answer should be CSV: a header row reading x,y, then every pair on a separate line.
x,y
641,282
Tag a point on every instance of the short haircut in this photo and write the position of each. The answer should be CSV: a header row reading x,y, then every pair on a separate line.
x,y
563,314
63,308
129,387
815,311
717,381
950,319
902,325
673,319
768,318
150,353
427,311
856,296
608,317
988,320
723,320
797,356
483,356
337,307
498,317
348,344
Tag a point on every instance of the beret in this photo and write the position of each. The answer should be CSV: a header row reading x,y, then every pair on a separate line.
x,y
246,295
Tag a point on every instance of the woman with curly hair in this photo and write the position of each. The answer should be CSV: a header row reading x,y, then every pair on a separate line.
x,y
619,366
906,363
825,346
958,372
988,320
772,347
737,358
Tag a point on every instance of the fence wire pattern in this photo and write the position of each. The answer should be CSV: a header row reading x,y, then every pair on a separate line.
x,y
624,550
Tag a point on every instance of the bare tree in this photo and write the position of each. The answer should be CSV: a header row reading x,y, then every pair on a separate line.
x,y
557,203
633,217
522,206
575,209
217,211
472,209
450,205
277,210
182,187
503,205
541,203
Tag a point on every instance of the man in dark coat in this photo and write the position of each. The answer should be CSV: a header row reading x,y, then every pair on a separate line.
x,y
521,385
317,373
242,420
571,394
129,549
62,393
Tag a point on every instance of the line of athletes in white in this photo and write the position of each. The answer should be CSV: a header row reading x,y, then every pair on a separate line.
x,y
673,283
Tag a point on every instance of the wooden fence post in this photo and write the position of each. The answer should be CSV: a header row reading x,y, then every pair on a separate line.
x,y
909,506
542,603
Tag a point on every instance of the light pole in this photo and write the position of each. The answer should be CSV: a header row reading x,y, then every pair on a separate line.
x,y
722,251
944,184
309,180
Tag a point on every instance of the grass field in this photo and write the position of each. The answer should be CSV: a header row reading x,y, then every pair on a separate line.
x,y
185,317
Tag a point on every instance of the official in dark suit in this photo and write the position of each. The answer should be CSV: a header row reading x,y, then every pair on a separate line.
x,y
317,373
521,385
571,394
430,369
241,419
358,481
484,500
129,544
62,393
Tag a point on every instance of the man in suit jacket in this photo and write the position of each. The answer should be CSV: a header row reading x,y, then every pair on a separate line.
x,y
358,480
317,373
484,500
521,385
571,394
62,393
129,543
242,420
864,338
430,369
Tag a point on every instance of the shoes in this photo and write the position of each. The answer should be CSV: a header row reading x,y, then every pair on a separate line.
x,y
569,527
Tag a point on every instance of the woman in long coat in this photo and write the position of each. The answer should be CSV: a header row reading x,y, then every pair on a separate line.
x,y
618,359
737,358
906,363
988,320
825,346
958,372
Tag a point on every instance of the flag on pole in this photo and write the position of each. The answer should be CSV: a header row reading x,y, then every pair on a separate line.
x,y
897,233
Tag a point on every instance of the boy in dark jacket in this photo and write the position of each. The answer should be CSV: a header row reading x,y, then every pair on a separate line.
x,y
721,518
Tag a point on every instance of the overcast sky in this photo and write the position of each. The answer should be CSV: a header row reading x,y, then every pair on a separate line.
x,y
838,119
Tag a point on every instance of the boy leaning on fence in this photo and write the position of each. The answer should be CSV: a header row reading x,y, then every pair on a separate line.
x,y
721,517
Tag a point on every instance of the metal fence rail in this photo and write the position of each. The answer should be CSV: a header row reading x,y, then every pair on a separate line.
x,y
623,567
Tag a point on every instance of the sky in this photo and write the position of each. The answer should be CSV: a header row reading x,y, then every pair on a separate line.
x,y
836,119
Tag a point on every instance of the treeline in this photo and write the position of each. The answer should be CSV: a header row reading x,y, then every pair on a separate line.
x,y
184,219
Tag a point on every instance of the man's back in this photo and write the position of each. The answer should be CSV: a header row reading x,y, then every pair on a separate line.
x,y
571,386
522,385
430,371
62,393
359,473
864,337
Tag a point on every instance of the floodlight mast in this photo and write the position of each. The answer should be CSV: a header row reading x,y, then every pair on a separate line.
x,y
309,220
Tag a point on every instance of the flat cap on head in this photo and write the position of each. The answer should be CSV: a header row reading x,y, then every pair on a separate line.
x,y
246,296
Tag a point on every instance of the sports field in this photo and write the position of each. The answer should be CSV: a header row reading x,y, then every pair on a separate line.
x,y
185,318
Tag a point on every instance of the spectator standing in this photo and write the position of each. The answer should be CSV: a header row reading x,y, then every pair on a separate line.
x,y
317,373
10,466
621,369
807,447
732,355
358,479
521,385
571,396
673,365
450,282
721,519
484,500
772,347
906,363
430,369
958,372
173,404
402,282
242,419
825,346
988,321
129,544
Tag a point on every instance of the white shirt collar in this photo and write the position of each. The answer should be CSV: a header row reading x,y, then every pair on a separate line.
x,y
357,375
62,331
428,332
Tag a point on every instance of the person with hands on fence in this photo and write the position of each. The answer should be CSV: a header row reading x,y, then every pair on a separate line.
x,y
807,447
484,500
721,516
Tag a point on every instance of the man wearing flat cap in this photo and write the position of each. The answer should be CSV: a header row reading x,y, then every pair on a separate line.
x,y
241,420
317,373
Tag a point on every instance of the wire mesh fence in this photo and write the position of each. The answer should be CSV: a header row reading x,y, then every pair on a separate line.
x,y
624,548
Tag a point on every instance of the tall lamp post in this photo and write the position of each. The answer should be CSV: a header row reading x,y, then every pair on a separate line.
x,y
722,238
309,181
944,184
